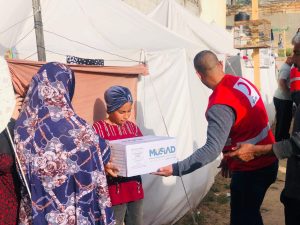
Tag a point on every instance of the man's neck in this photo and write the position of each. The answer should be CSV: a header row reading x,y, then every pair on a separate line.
x,y
217,79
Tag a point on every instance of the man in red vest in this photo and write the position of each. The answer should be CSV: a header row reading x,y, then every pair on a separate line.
x,y
235,114
295,77
295,84
290,149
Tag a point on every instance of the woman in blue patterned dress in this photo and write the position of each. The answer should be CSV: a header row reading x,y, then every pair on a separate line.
x,y
61,156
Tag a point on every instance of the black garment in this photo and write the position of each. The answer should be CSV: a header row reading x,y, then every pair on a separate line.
x,y
296,97
291,210
82,61
284,115
292,184
5,146
291,149
248,189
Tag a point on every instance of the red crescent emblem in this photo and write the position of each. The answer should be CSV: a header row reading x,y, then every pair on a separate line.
x,y
243,84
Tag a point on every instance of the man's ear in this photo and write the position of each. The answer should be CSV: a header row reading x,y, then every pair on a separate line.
x,y
198,74
222,63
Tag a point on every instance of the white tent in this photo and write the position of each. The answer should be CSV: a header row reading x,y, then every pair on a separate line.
x,y
268,82
176,18
171,101
75,25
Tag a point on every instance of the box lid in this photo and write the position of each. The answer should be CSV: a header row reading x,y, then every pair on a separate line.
x,y
139,140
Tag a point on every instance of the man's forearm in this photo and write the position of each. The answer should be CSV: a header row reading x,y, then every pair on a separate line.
x,y
260,150
283,85
220,120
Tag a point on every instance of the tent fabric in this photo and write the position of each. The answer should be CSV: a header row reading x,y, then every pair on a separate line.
x,y
233,66
88,102
26,69
170,101
268,84
175,17
177,104
7,96
91,83
88,29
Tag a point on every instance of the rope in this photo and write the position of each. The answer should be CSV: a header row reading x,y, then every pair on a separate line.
x,y
188,201
30,55
86,45
19,41
7,29
113,60
235,73
61,36
57,53
167,131
159,107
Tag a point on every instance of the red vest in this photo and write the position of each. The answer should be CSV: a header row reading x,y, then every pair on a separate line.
x,y
251,122
294,79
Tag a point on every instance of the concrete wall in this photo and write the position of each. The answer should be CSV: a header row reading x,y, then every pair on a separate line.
x,y
145,6
284,24
214,11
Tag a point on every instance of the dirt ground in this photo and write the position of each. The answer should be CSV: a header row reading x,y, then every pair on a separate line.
x,y
214,209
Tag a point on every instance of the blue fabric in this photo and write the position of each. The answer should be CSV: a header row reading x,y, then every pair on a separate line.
x,y
248,189
116,96
61,156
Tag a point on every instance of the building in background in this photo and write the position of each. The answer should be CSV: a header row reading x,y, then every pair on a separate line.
x,y
283,14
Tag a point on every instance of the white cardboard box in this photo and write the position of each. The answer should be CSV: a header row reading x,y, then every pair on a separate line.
x,y
142,155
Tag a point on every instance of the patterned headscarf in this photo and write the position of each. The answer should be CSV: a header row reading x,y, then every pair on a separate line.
x,y
116,96
60,154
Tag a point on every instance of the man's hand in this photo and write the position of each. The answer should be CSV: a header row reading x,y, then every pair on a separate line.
x,y
18,106
164,171
244,152
111,169
226,172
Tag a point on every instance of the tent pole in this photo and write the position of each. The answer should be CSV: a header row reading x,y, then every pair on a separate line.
x,y
255,54
39,32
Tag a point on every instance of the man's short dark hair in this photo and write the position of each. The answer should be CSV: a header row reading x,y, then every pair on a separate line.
x,y
200,64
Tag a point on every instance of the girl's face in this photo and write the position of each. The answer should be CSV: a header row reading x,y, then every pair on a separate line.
x,y
121,115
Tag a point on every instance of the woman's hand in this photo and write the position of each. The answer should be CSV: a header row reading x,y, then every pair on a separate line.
x,y
111,169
